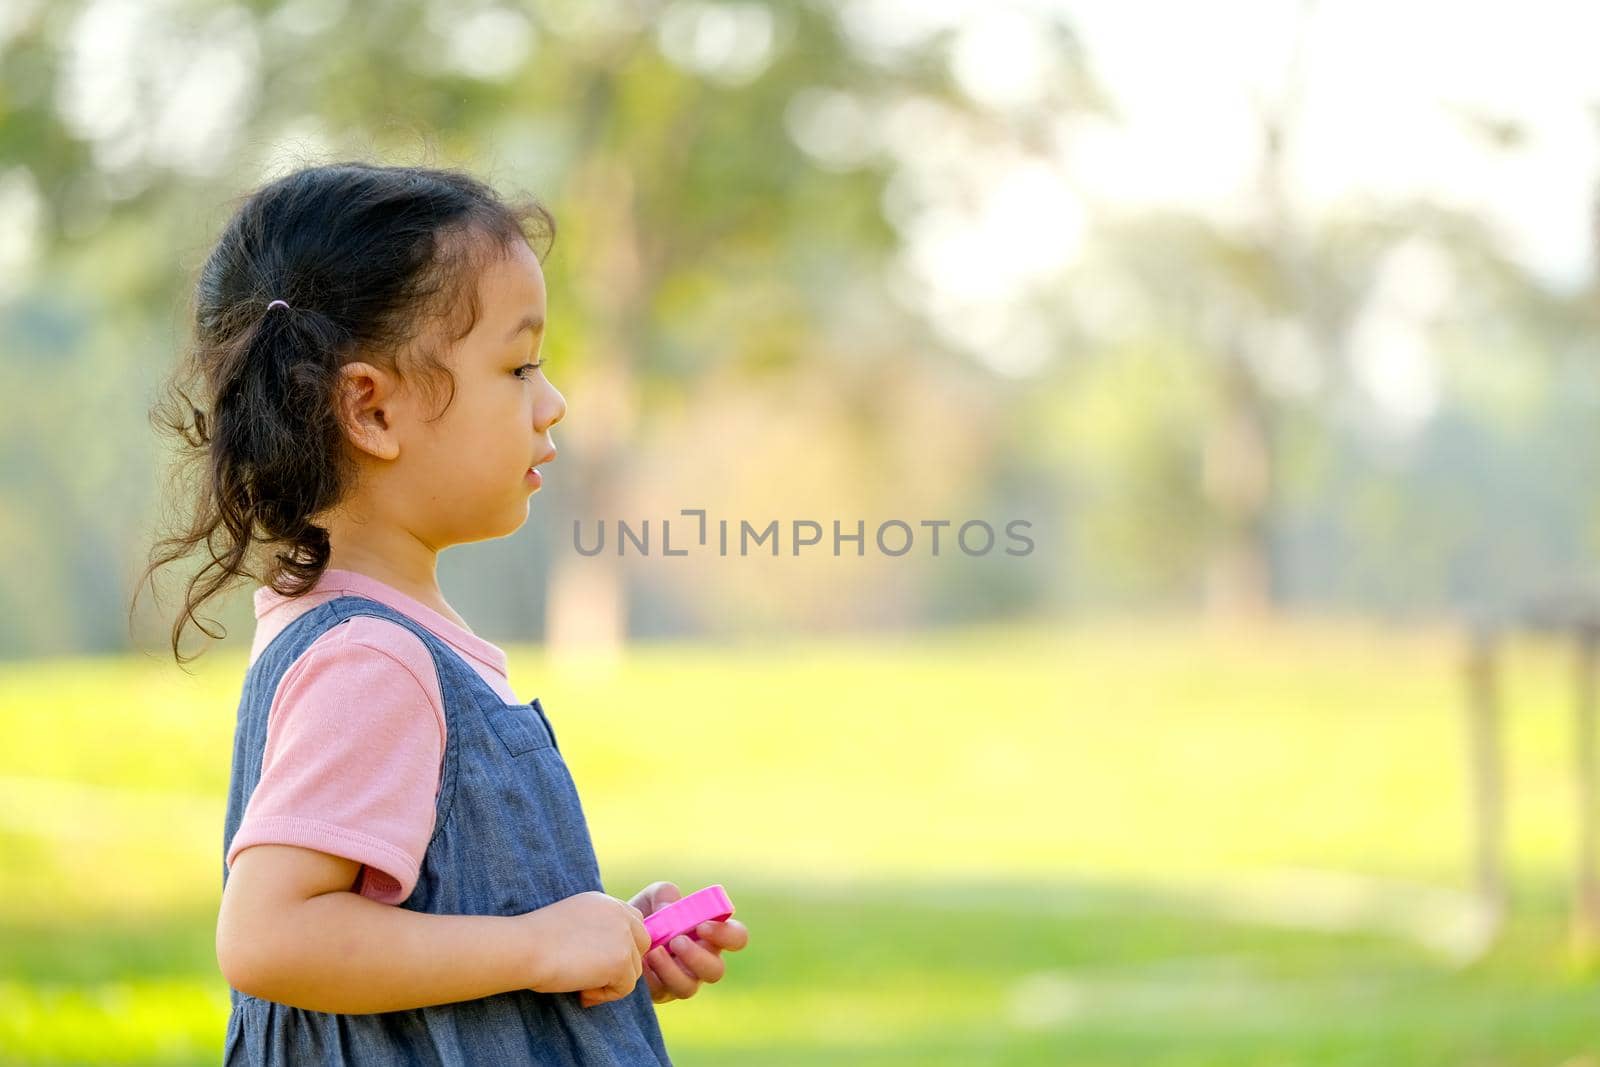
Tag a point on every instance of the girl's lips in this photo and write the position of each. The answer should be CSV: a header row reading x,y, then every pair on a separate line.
x,y
533,477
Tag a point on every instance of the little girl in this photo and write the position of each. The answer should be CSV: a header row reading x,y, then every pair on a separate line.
x,y
408,875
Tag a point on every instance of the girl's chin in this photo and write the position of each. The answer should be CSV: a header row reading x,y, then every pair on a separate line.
x,y
533,478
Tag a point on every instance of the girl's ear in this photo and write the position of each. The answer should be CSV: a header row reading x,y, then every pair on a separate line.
x,y
362,400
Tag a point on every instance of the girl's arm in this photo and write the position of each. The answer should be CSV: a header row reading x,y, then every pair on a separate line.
x,y
291,930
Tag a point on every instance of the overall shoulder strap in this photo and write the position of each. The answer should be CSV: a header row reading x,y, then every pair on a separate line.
x,y
451,670
296,637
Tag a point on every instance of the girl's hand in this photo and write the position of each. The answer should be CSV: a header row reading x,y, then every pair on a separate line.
x,y
694,957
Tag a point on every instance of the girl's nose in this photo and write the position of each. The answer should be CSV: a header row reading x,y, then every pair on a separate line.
x,y
551,409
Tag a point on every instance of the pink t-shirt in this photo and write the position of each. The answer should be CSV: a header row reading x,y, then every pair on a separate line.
x,y
355,734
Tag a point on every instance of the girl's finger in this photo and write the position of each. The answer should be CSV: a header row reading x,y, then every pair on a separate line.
x,y
678,981
730,934
697,959
659,993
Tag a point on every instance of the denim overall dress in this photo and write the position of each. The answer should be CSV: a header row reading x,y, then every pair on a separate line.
x,y
509,837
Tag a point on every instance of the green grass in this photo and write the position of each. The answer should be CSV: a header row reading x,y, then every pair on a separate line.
x,y
1147,844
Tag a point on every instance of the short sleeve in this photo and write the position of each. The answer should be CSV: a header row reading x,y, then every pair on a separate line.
x,y
355,739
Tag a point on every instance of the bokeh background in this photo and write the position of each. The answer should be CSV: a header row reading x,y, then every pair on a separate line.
x,y
1275,322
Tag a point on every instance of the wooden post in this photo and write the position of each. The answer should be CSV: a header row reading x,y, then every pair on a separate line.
x,y
1488,795
1586,903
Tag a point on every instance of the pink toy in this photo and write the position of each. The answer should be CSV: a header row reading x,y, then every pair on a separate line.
x,y
710,904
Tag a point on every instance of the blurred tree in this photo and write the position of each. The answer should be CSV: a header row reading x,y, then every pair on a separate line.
x,y
778,212
1299,321
697,235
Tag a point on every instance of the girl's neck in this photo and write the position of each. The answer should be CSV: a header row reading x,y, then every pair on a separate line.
x,y
393,557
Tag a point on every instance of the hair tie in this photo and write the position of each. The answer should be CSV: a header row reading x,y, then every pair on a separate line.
x,y
275,303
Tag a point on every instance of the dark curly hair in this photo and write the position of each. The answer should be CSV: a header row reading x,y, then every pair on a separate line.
x,y
368,257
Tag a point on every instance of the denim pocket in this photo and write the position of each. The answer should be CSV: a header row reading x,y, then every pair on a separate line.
x,y
520,727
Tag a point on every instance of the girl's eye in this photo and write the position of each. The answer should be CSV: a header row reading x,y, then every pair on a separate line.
x,y
527,366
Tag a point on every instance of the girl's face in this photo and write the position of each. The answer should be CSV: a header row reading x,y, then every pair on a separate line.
x,y
470,470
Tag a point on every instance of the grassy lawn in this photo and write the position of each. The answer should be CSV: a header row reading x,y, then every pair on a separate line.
x,y
1141,844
